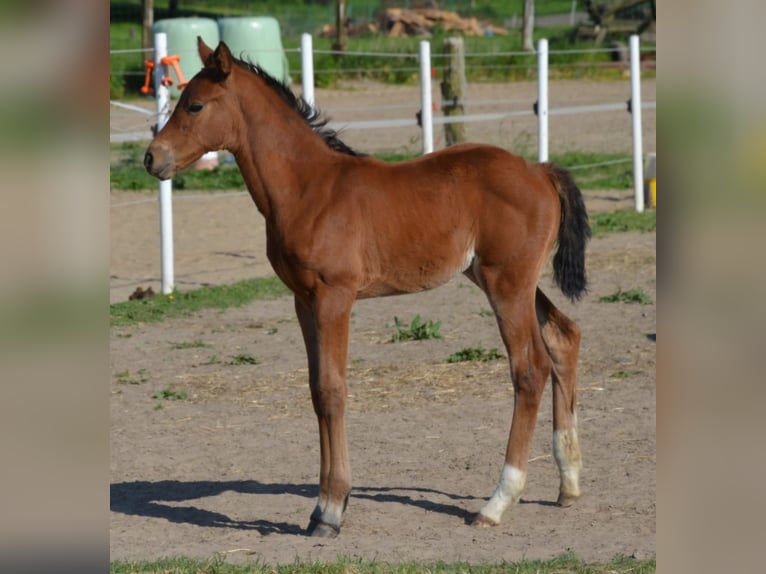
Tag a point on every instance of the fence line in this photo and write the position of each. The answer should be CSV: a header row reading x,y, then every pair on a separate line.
x,y
599,164
131,107
412,55
131,51
438,120
468,118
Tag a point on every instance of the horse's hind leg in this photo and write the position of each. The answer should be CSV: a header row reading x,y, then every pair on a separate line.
x,y
530,367
562,339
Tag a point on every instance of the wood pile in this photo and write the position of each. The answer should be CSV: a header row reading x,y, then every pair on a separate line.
x,y
398,22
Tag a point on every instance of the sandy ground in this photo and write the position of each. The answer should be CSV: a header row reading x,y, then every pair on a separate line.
x,y
233,468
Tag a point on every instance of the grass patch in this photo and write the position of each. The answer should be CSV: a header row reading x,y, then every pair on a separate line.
x,y
621,221
567,564
636,295
491,58
170,395
478,354
598,170
127,173
624,374
185,303
196,344
244,359
417,330
127,378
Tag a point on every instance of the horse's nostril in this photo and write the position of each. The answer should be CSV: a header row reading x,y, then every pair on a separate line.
x,y
148,160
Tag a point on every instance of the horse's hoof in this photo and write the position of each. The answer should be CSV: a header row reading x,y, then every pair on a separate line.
x,y
481,521
322,530
567,500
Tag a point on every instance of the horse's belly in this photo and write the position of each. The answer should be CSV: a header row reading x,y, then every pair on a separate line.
x,y
414,274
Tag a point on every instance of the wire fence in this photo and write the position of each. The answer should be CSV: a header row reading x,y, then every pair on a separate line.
x,y
124,130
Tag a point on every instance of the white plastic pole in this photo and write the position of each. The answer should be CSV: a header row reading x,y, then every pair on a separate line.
x,y
166,186
635,99
426,111
307,68
542,100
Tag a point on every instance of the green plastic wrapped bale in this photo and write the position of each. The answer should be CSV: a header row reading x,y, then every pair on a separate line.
x,y
258,40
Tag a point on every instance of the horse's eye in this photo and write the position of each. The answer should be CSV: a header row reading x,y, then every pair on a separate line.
x,y
194,108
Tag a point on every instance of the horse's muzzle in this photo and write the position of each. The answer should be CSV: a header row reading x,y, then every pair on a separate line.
x,y
158,161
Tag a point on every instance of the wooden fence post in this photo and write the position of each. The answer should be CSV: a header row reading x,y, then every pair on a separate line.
x,y
453,88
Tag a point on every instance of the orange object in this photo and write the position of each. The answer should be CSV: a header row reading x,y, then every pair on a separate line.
x,y
173,61
167,79
147,88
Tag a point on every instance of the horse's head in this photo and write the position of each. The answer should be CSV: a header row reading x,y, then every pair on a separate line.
x,y
204,119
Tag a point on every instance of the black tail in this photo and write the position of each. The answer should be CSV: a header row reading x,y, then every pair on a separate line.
x,y
574,232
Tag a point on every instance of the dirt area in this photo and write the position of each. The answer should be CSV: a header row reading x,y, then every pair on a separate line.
x,y
233,467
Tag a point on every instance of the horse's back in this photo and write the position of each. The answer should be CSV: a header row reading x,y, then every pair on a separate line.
x,y
423,221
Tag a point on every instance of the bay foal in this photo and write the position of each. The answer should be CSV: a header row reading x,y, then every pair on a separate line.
x,y
341,226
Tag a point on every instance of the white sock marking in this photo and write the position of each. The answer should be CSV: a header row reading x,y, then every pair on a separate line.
x,y
566,451
508,491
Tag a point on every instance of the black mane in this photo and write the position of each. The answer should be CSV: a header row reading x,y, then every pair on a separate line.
x,y
311,115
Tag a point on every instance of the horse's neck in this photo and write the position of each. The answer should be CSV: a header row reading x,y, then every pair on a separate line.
x,y
280,154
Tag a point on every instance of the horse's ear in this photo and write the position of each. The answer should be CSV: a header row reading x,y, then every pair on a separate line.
x,y
223,59
205,51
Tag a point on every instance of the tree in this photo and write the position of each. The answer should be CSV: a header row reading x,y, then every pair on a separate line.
x,y
528,26
147,24
340,26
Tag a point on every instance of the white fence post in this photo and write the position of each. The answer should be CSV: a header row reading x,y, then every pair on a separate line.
x,y
542,100
426,111
635,106
307,68
166,186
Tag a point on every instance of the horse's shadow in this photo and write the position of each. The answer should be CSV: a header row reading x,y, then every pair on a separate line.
x,y
160,500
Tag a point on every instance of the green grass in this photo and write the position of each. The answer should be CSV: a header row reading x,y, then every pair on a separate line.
x,y
636,295
474,354
185,303
497,58
126,172
296,18
417,330
244,359
624,220
595,171
170,395
135,177
127,378
195,344
567,564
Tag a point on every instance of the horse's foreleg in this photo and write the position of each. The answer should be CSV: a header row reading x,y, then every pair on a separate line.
x,y
562,338
530,368
327,323
309,330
